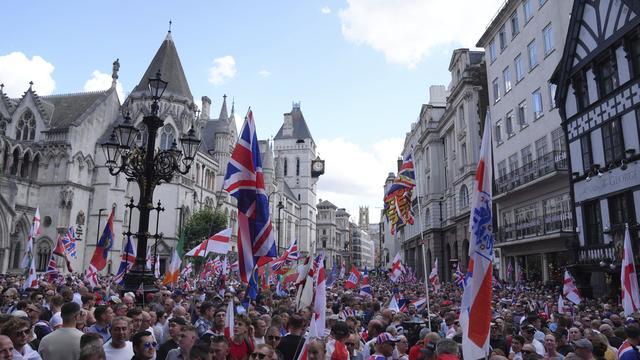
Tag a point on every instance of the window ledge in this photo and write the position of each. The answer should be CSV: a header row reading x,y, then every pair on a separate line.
x,y
549,53
499,142
538,117
533,68
510,135
523,126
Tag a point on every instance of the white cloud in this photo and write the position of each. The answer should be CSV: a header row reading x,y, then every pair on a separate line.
x,y
264,73
16,70
407,30
326,10
354,176
223,69
100,81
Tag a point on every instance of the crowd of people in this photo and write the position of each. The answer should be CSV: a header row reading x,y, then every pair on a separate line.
x,y
69,320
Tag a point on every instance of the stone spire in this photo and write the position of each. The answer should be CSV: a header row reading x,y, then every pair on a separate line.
x,y
114,73
224,115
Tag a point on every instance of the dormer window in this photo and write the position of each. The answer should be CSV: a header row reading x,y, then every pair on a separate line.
x,y
167,137
26,128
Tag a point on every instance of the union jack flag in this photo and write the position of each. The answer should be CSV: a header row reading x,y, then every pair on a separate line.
x,y
458,277
69,242
52,269
127,260
244,180
291,254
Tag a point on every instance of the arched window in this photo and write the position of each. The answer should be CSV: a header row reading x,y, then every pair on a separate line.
x,y
167,137
3,126
17,254
26,164
286,166
35,166
143,135
297,166
14,162
43,253
464,197
26,128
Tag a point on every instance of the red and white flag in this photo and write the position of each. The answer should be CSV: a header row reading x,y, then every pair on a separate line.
x,y
320,301
354,278
91,275
434,279
629,278
229,321
396,268
218,243
569,289
475,308
560,305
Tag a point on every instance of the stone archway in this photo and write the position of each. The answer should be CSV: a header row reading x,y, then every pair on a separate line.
x,y
17,242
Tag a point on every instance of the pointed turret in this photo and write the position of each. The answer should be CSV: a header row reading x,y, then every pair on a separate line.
x,y
294,126
224,115
168,62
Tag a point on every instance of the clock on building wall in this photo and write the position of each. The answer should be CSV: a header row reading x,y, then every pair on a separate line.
x,y
317,167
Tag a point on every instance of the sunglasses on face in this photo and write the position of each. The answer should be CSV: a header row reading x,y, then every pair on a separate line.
x,y
258,355
152,344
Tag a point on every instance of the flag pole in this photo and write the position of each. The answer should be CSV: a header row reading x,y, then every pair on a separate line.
x,y
423,247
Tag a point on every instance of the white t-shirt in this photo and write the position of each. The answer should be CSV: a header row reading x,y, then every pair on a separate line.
x,y
126,353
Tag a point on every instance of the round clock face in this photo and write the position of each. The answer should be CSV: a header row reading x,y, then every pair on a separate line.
x,y
318,166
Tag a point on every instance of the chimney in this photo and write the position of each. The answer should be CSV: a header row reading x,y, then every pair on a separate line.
x,y
206,107
399,163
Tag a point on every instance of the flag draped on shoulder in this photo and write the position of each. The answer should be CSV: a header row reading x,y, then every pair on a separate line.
x,y
397,199
244,181
127,260
569,289
475,308
629,278
354,278
99,258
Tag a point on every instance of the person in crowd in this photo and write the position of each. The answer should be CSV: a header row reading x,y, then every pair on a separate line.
x,y
158,326
259,329
336,349
103,315
129,301
528,331
92,352
144,346
550,348
240,343
517,342
385,343
205,318
447,349
583,349
90,339
64,343
200,351
219,347
629,348
6,347
290,345
135,314
18,331
175,330
119,347
316,350
375,328
563,347
188,337
403,348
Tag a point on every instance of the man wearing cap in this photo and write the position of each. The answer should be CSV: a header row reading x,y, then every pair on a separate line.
x,y
584,350
629,348
528,331
175,330
385,343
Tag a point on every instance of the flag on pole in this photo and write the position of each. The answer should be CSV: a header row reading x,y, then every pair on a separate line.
x,y
291,254
629,278
218,243
393,304
475,308
458,276
418,303
91,275
569,289
33,232
397,199
60,251
127,260
173,271
365,289
69,242
187,270
434,279
509,271
320,301
333,275
354,278
244,180
99,258
52,269
342,270
396,268
229,321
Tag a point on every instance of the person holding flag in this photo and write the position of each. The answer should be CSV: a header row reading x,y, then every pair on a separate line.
x,y
365,289
569,289
434,279
354,278
396,268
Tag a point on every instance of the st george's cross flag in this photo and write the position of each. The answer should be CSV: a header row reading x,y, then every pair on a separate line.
x,y
244,180
396,268
33,232
569,289
229,321
218,243
354,278
475,308
629,278
320,297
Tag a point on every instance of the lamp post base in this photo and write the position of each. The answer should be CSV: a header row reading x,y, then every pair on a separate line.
x,y
140,281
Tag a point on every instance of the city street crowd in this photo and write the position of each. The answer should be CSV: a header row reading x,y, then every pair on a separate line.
x,y
67,319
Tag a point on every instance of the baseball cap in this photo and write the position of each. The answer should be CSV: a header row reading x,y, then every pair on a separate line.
x,y
583,343
115,299
385,337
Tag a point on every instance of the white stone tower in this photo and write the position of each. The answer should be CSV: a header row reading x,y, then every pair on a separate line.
x,y
295,151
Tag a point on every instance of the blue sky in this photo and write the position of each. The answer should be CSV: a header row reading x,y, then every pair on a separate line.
x,y
360,68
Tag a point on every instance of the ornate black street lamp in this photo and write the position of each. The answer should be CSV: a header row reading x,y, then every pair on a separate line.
x,y
148,167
